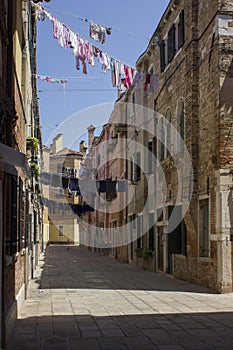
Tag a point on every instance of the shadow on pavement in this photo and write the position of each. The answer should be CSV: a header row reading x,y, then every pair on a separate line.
x,y
203,331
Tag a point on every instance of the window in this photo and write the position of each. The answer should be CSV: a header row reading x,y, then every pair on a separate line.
x,y
98,160
154,144
180,126
60,231
169,131
151,231
131,166
204,228
11,202
21,228
162,56
161,139
150,157
133,102
174,41
171,43
1,55
135,167
177,234
138,166
181,30
139,231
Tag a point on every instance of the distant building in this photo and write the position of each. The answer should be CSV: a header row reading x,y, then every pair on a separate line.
x,y
60,223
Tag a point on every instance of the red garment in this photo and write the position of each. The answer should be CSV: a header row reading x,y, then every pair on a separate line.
x,y
129,73
147,82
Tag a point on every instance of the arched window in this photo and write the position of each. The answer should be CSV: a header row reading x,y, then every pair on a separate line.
x,y
180,126
169,131
161,138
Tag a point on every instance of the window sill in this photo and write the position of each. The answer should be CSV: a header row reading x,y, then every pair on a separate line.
x,y
180,256
204,259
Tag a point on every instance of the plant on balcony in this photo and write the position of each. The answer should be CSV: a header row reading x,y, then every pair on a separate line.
x,y
121,128
35,169
32,143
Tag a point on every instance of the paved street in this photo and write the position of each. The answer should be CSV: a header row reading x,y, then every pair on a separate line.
x,y
80,300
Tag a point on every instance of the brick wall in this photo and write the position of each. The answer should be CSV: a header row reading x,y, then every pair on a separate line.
x,y
202,74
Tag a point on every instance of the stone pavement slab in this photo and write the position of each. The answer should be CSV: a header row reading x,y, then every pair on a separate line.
x,y
81,300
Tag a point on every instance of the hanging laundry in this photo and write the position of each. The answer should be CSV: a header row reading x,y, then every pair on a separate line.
x,y
154,83
98,32
81,55
73,184
56,27
118,74
85,52
102,186
136,81
111,192
121,186
72,39
39,13
90,55
65,182
51,80
129,73
64,36
113,71
147,82
87,208
104,59
77,209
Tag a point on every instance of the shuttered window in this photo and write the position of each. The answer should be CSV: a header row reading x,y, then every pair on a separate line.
x,y
151,231
180,126
162,56
150,159
181,30
171,43
21,227
204,228
138,166
174,41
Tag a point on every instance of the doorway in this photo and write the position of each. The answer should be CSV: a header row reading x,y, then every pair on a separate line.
x,y
160,259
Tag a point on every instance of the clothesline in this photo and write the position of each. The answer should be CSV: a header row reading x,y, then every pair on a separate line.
x,y
84,19
50,79
85,52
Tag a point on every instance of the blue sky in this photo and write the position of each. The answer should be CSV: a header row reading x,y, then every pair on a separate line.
x,y
73,109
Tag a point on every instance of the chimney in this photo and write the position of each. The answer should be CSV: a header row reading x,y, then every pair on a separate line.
x,y
82,147
91,130
57,144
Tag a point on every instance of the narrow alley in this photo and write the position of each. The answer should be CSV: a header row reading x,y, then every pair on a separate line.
x,y
81,300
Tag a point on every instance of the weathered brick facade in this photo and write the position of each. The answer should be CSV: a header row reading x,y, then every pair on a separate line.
x,y
200,73
191,53
20,210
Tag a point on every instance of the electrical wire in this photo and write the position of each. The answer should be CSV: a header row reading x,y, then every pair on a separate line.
x,y
81,90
